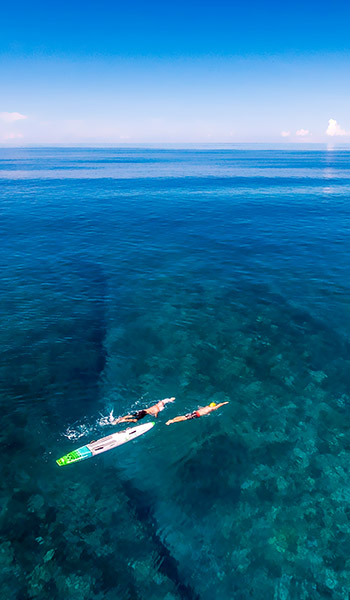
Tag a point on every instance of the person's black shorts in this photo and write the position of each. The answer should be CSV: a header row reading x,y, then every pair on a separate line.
x,y
140,414
192,415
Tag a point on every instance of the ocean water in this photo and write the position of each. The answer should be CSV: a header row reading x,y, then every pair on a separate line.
x,y
129,275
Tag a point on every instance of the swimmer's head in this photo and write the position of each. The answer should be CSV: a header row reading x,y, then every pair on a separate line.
x,y
212,404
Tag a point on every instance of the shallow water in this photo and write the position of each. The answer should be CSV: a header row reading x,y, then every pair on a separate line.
x,y
129,275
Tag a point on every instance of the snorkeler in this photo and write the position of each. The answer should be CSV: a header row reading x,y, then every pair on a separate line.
x,y
200,412
140,414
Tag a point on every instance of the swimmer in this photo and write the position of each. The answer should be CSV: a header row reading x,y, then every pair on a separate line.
x,y
200,412
153,411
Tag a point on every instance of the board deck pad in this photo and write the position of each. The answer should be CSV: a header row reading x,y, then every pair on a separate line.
x,y
104,444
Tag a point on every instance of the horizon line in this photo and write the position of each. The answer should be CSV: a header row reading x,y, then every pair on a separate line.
x,y
160,144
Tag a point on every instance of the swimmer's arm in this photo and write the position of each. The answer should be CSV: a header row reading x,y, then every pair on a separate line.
x,y
218,405
161,404
155,410
166,400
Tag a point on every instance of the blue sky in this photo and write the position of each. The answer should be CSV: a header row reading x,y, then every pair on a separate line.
x,y
181,72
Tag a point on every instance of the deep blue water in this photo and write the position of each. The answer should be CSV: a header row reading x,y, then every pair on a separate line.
x,y
129,275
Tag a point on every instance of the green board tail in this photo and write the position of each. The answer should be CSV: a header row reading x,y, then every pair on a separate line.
x,y
74,456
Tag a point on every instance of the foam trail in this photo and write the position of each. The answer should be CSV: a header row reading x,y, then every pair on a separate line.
x,y
75,433
84,429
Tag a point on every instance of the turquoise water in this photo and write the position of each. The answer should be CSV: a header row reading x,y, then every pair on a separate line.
x,y
129,275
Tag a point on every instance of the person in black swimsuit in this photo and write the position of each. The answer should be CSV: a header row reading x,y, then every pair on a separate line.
x,y
153,411
138,415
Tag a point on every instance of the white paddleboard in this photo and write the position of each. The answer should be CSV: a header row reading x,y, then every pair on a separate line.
x,y
104,444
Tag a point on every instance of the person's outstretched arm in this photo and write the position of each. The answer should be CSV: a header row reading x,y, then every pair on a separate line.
x,y
218,405
166,400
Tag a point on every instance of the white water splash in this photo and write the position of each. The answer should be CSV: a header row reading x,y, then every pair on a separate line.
x,y
107,420
76,432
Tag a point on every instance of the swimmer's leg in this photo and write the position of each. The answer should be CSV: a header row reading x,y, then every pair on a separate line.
x,y
178,419
126,419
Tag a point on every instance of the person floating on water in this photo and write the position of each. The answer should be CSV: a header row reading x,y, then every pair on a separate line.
x,y
200,412
140,414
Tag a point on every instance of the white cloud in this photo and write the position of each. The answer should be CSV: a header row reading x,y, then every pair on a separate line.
x,y
335,129
302,132
12,136
285,133
8,117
